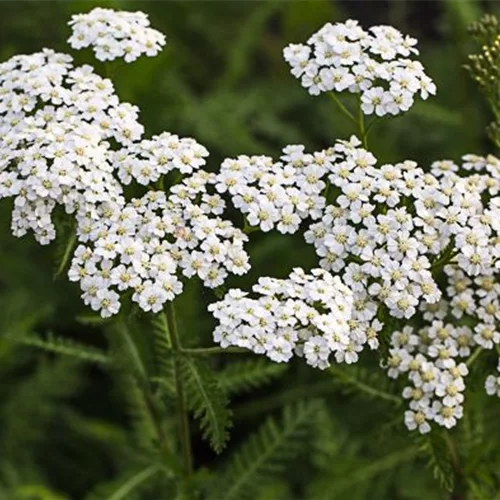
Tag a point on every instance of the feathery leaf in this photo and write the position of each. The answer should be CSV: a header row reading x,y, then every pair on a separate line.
x,y
207,400
65,346
241,376
266,452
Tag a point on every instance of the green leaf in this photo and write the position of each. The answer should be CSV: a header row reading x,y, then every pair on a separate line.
x,y
129,484
241,376
36,402
64,346
267,452
90,319
207,400
435,446
364,381
373,469
162,348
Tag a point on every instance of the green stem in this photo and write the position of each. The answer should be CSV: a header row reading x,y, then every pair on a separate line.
x,y
68,252
247,228
185,437
342,107
213,350
361,125
370,126
474,356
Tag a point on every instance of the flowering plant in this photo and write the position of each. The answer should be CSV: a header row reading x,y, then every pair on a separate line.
x,y
406,256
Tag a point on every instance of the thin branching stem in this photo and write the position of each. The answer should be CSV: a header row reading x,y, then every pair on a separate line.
x,y
342,107
474,356
202,351
361,125
182,415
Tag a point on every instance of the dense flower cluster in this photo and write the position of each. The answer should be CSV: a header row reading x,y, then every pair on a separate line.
x,y
430,357
277,194
307,315
56,122
391,228
148,160
416,254
465,320
408,244
145,246
374,63
113,35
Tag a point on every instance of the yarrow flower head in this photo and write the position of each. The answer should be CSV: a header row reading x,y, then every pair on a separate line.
x,y
409,244
56,124
148,160
305,315
277,194
148,245
374,64
115,34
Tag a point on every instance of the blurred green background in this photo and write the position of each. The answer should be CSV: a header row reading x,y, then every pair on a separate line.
x,y
222,80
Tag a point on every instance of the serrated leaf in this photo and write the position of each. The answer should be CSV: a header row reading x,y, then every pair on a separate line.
x,y
240,376
162,349
207,400
90,319
64,346
435,447
266,453
363,381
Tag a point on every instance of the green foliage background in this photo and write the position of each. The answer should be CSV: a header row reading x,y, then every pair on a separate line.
x,y
65,428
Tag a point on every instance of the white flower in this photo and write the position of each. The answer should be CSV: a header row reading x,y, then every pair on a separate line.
x,y
285,319
149,243
492,385
55,151
343,56
417,420
115,34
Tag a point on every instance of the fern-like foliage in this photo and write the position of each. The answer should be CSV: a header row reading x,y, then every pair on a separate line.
x,y
267,452
249,374
131,380
64,346
434,445
162,348
91,319
207,400
139,409
35,403
366,382
129,485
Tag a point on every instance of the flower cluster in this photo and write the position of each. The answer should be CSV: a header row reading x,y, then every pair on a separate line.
x,y
431,359
145,246
56,123
374,63
148,160
390,230
408,244
277,194
113,35
307,315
